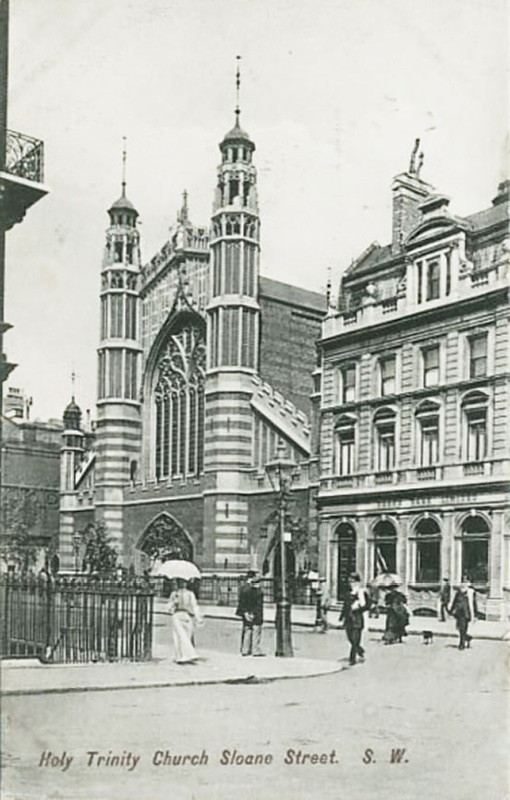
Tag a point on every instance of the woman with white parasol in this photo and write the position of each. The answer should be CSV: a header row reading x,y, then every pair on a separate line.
x,y
183,608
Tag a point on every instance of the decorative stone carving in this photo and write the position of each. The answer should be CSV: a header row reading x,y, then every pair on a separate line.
x,y
165,537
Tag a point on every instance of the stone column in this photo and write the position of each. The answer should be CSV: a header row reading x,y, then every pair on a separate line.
x,y
495,599
362,528
447,546
403,567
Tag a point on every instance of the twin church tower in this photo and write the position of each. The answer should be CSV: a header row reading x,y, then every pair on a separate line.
x,y
203,368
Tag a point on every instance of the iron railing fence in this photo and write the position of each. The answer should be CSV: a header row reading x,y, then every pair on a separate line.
x,y
70,620
223,590
24,156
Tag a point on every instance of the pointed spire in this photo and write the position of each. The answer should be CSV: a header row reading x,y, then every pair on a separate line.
x,y
238,89
123,203
124,157
72,413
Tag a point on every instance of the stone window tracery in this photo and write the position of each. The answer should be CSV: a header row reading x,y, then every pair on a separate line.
x,y
179,401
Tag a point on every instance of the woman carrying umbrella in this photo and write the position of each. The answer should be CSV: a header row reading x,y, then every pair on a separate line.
x,y
185,613
183,608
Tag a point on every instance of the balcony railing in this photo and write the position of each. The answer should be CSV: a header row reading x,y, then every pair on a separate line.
x,y
474,468
383,477
426,474
24,157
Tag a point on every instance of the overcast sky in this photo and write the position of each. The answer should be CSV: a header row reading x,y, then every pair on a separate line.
x,y
333,93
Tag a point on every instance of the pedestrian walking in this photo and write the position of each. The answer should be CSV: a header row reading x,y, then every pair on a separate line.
x,y
445,593
185,613
464,609
322,606
250,608
397,616
356,602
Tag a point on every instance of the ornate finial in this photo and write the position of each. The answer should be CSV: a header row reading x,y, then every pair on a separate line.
x,y
123,166
328,288
412,162
238,88
73,379
182,216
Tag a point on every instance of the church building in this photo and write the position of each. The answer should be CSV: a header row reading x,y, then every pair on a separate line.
x,y
204,368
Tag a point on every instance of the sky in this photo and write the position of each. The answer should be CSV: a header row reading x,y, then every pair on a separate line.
x,y
333,93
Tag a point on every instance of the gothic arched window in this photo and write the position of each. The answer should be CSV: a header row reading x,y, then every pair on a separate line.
x,y
179,398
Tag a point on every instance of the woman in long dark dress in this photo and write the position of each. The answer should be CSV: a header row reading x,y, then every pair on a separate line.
x,y
397,616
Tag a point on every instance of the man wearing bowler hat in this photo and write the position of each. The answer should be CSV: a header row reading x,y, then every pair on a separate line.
x,y
250,608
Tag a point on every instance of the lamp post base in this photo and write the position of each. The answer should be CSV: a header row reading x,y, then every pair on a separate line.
x,y
283,630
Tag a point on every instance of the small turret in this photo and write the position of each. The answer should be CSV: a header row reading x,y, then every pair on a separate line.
x,y
72,416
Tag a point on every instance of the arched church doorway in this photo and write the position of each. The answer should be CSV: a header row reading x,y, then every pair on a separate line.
x,y
164,538
346,543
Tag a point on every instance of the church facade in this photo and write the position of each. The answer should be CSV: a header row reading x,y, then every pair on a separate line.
x,y
414,413
204,367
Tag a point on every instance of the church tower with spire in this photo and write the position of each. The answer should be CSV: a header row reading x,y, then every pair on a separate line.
x,y
72,452
233,336
118,428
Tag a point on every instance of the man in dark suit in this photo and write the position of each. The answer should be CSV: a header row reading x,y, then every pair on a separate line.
x,y
464,609
250,608
355,604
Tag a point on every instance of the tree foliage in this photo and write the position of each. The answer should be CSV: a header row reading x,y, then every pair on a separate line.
x,y
100,557
17,549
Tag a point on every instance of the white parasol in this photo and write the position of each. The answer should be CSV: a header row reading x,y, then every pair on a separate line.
x,y
176,568
387,579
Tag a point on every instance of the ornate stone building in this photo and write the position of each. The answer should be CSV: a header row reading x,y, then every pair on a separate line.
x,y
203,367
414,413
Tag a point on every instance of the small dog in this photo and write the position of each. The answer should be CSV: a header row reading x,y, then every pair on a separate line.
x,y
428,637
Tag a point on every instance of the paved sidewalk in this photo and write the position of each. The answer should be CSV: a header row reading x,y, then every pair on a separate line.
x,y
305,616
29,676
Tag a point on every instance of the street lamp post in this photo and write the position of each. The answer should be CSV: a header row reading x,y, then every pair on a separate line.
x,y
280,472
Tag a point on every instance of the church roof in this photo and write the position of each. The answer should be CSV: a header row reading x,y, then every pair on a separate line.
x,y
293,295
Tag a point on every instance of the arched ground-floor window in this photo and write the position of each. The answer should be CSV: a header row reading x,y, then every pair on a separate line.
x,y
475,549
428,551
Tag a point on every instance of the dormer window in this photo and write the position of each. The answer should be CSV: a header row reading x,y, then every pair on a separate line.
x,y
433,277
433,273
